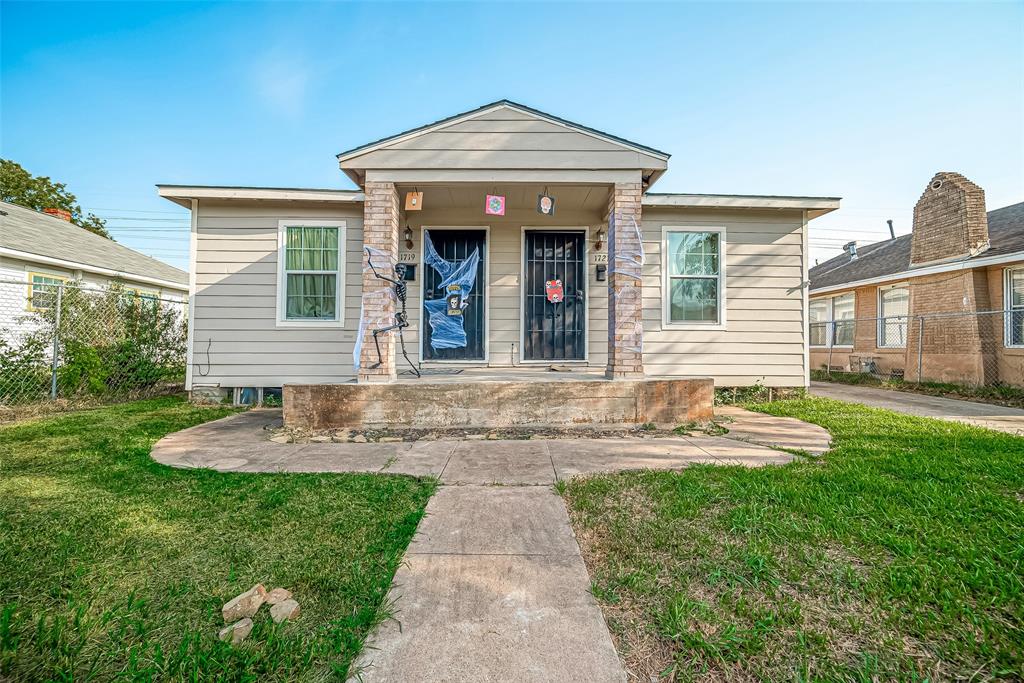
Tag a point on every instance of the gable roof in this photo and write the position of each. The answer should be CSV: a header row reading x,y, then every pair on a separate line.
x,y
890,259
496,105
30,233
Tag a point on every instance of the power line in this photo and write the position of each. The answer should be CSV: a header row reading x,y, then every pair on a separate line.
x,y
145,219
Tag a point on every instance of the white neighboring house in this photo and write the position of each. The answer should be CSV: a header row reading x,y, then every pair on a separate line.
x,y
39,249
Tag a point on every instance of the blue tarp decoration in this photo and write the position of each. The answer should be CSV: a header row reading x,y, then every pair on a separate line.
x,y
447,327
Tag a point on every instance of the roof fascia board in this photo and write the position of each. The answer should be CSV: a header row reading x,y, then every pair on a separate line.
x,y
927,270
187,192
96,270
469,116
523,175
819,205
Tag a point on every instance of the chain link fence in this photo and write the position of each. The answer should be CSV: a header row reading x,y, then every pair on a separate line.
x,y
66,344
969,349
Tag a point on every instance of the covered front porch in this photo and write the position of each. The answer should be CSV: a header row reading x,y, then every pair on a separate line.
x,y
546,289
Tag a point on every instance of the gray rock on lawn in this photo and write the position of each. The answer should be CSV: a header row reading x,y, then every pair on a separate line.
x,y
358,438
289,609
244,605
236,632
278,595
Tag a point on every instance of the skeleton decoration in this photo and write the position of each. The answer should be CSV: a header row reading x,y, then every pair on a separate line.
x,y
400,292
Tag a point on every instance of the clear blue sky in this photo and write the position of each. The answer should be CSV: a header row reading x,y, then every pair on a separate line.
x,y
865,101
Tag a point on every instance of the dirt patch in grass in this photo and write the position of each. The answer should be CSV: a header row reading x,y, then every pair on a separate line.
x,y
894,557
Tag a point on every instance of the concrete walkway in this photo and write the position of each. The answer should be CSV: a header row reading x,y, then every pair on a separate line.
x,y
999,418
240,443
492,586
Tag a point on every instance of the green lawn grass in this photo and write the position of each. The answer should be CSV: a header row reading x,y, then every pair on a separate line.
x,y
115,567
897,556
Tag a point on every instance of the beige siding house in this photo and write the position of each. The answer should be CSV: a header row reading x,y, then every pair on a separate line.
x,y
615,279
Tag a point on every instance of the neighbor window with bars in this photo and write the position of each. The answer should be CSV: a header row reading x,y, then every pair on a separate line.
x,y
310,288
893,314
694,266
1014,305
831,320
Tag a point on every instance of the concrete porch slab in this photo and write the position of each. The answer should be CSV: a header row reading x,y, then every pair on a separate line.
x,y
523,402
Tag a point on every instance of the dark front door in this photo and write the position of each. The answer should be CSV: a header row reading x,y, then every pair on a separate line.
x,y
554,330
456,246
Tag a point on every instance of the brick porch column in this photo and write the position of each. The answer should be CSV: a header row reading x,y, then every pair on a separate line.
x,y
380,232
625,286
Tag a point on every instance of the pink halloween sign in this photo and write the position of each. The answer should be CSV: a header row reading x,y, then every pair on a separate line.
x,y
495,205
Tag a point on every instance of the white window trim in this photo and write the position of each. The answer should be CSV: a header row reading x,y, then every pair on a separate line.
x,y
282,298
1008,306
879,336
830,329
666,296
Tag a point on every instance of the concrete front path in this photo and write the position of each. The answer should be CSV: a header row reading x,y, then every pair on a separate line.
x,y
492,586
999,418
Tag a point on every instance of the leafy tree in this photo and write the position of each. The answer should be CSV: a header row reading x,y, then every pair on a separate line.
x,y
18,186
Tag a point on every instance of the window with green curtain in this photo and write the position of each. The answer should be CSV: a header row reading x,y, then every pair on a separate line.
x,y
311,273
694,276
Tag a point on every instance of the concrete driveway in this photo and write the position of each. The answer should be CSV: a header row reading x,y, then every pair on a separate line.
x,y
999,418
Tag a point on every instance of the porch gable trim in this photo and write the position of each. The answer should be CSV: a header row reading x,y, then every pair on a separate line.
x,y
494,106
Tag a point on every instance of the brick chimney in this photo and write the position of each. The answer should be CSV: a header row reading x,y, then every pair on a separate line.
x,y
949,221
62,214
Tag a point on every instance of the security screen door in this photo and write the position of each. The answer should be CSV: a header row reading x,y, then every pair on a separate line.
x,y
554,330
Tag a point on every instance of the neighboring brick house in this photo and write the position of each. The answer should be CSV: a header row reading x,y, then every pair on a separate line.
x,y
958,261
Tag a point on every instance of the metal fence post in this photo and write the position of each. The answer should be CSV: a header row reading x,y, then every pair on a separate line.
x,y
56,342
920,347
831,342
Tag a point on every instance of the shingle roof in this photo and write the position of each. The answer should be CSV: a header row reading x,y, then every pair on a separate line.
x,y
36,233
891,257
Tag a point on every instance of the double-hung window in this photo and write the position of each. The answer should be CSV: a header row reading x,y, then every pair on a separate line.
x,y
842,314
1013,303
831,320
694,277
42,290
893,315
820,311
311,273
